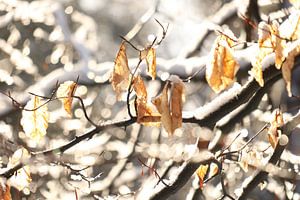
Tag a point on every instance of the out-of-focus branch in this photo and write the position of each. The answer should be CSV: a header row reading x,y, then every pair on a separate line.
x,y
287,129
178,179
246,109
224,13
142,21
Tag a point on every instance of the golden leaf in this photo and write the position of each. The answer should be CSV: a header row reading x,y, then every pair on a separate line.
x,y
221,67
171,108
22,178
145,114
120,78
65,93
269,41
201,172
273,132
151,63
35,123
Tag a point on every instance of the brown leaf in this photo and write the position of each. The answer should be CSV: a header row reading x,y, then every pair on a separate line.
x,y
201,172
162,105
35,123
5,192
145,114
65,93
171,108
177,97
151,63
221,67
120,78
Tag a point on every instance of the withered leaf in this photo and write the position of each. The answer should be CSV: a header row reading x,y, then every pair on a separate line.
x,y
162,105
170,108
65,93
221,67
269,41
35,122
121,76
150,56
145,113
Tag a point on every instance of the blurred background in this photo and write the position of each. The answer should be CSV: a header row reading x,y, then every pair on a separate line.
x,y
45,41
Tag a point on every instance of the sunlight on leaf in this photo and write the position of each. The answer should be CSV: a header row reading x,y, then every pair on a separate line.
x,y
150,56
120,78
65,94
222,66
35,123
145,114
269,41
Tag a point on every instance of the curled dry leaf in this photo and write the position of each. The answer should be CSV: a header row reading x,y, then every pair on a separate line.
x,y
22,178
150,56
171,108
65,93
201,172
120,78
274,133
35,122
221,67
145,113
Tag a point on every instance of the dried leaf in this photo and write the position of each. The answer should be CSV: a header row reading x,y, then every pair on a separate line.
x,y
273,132
221,67
5,192
145,114
288,65
65,93
151,63
162,105
35,123
177,97
171,108
269,41
22,178
201,172
120,78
